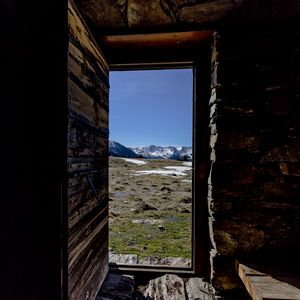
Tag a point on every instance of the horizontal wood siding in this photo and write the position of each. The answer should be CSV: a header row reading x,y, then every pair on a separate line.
x,y
87,162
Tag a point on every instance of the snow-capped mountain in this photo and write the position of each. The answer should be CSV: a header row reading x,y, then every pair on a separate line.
x,y
116,149
154,152
159,152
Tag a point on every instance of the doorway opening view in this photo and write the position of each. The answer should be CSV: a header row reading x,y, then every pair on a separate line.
x,y
150,167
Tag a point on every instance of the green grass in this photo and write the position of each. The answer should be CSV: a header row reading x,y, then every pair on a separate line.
x,y
148,240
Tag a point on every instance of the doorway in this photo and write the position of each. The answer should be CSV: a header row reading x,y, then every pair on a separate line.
x,y
150,167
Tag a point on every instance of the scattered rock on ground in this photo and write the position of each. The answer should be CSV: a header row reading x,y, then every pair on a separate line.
x,y
146,221
183,210
166,261
186,200
123,258
167,287
164,188
146,206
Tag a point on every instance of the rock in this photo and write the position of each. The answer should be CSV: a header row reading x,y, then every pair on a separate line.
x,y
164,188
147,14
287,153
183,210
117,286
123,258
167,261
167,287
186,200
197,289
234,141
206,12
176,261
146,221
146,206
114,214
161,228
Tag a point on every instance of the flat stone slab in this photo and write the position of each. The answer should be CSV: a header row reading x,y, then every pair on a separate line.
x,y
167,287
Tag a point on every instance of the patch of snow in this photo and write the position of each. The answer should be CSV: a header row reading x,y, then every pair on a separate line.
x,y
179,169
160,172
187,180
187,163
135,161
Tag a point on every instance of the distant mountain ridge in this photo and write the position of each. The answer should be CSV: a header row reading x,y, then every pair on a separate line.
x,y
150,152
119,150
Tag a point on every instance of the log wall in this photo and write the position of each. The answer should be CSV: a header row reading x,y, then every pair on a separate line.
x,y
87,162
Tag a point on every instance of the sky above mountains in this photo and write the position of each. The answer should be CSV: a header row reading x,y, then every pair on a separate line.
x,y
151,107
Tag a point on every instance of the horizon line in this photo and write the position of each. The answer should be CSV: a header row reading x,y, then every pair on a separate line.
x,y
151,144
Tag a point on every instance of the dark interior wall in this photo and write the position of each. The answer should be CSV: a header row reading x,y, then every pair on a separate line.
x,y
254,185
33,124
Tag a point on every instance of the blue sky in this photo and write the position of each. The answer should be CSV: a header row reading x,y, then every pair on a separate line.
x,y
151,107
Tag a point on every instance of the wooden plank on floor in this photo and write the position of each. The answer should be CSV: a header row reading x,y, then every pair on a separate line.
x,y
262,286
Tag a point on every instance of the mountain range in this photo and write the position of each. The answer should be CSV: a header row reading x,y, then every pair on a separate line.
x,y
150,152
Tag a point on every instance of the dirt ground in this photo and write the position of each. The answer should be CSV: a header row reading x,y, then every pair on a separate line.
x,y
150,214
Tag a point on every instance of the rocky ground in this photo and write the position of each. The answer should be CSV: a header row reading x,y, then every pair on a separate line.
x,y
150,211
166,287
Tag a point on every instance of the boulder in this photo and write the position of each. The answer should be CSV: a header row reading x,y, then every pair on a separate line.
x,y
197,289
117,286
167,287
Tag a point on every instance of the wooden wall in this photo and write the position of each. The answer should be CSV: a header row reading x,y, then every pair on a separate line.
x,y
87,162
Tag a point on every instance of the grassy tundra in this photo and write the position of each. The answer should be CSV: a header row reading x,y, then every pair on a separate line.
x,y
150,207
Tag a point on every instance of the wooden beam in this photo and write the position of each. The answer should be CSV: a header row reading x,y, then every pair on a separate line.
x,y
261,286
173,40
154,47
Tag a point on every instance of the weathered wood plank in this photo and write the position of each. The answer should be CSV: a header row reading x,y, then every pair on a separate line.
x,y
86,226
77,183
83,203
80,241
261,286
85,140
79,30
90,268
81,103
87,162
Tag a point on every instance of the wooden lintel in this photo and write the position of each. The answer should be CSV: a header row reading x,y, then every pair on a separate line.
x,y
156,40
154,47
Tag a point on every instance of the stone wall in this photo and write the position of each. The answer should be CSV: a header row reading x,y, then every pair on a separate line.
x,y
254,184
140,15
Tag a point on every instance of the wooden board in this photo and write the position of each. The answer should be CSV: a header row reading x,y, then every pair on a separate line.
x,y
87,162
262,286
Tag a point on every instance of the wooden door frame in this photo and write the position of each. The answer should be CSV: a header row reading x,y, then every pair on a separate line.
x,y
195,53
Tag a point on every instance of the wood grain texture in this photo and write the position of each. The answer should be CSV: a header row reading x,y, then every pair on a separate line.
x,y
261,286
87,162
